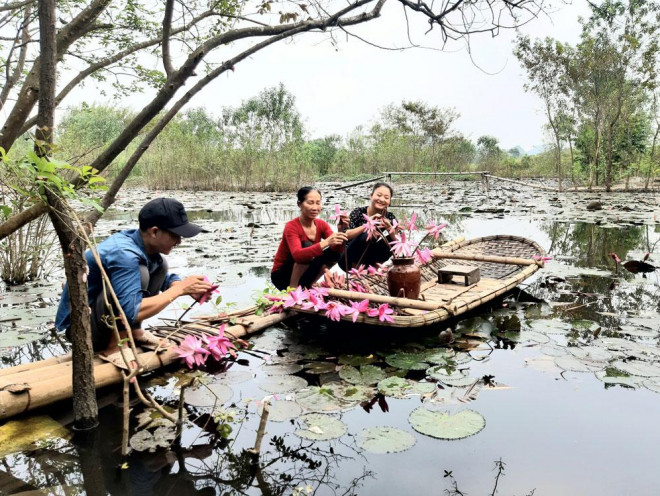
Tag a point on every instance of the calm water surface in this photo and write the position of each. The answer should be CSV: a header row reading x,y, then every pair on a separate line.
x,y
558,431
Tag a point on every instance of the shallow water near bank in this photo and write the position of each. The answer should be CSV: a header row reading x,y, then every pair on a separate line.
x,y
571,406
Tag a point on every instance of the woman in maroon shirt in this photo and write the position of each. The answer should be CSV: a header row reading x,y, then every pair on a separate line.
x,y
308,245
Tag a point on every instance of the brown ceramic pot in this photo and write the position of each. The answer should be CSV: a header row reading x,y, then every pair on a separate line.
x,y
404,278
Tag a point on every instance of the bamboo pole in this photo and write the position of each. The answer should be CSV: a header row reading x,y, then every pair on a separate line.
x,y
57,385
439,253
376,298
358,183
522,183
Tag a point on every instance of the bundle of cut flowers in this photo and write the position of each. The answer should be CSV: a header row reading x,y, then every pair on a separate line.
x,y
195,351
315,299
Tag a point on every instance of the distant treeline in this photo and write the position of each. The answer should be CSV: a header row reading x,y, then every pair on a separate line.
x,y
263,145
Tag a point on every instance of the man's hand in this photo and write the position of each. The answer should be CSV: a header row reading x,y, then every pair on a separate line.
x,y
194,286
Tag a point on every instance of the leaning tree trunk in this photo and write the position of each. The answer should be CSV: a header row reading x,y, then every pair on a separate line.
x,y
85,408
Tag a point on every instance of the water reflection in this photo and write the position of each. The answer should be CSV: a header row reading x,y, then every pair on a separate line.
x,y
569,315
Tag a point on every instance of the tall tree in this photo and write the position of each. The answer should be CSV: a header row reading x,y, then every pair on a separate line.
x,y
106,39
546,65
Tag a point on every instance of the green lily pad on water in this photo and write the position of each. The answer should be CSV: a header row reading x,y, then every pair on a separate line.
x,y
638,368
383,440
550,326
593,353
208,395
331,397
443,425
367,375
23,435
638,332
281,411
442,356
454,378
397,387
534,336
578,365
356,360
282,369
585,325
147,441
233,377
17,337
278,384
318,368
652,384
320,427
553,351
408,361
624,380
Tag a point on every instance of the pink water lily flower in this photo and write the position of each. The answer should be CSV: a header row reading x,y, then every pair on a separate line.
x,y
359,271
423,256
338,213
383,312
213,290
378,270
335,310
296,297
320,291
401,247
357,286
218,346
371,226
411,224
192,351
315,301
434,229
359,307
548,258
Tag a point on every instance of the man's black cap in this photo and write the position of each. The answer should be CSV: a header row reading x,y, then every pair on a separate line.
x,y
168,214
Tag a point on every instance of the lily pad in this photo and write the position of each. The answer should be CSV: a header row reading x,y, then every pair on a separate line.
x,y
638,332
281,411
208,395
653,384
638,368
443,425
320,427
397,387
356,360
454,378
408,361
553,351
283,369
594,353
328,398
550,326
233,377
23,435
536,337
278,384
385,440
625,380
147,441
577,365
318,368
366,375
16,337
585,325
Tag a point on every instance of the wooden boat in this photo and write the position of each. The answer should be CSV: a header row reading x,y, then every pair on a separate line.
x,y
503,261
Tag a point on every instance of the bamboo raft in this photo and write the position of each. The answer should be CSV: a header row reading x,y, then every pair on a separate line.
x,y
37,384
504,262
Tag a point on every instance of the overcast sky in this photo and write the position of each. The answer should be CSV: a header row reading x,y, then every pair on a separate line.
x,y
340,87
